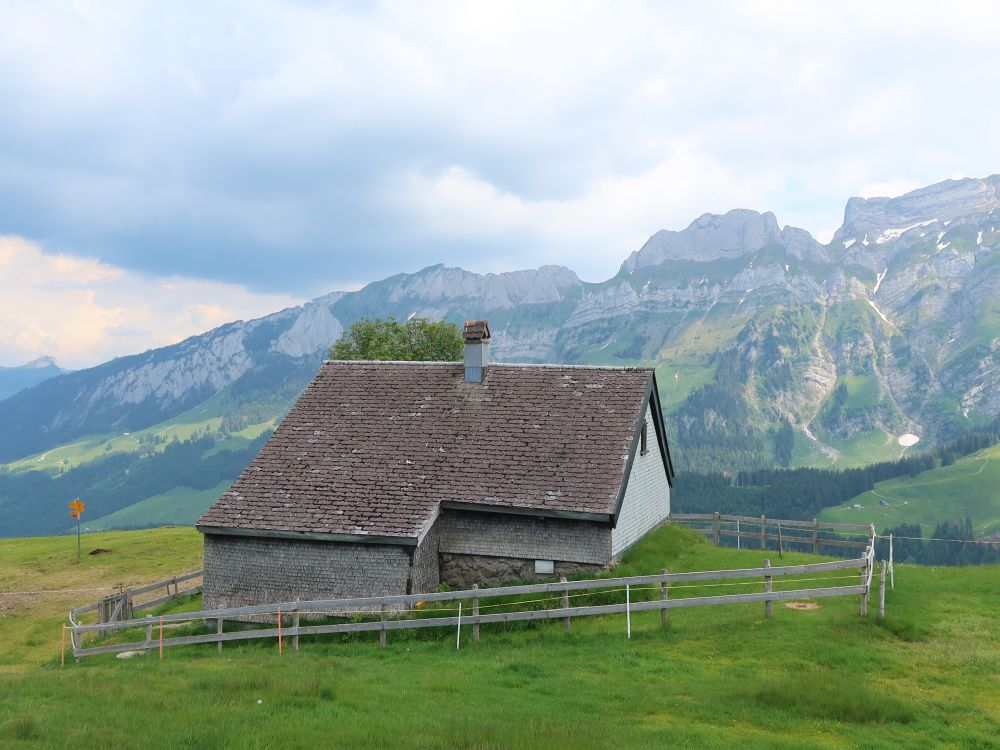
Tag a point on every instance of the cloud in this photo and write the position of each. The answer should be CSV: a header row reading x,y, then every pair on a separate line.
x,y
84,312
283,146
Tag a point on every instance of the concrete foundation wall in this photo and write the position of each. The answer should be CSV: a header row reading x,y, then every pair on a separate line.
x,y
241,571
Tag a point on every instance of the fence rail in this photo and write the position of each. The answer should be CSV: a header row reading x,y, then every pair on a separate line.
x,y
751,531
378,606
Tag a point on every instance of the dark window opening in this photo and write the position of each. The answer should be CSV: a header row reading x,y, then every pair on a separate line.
x,y
643,444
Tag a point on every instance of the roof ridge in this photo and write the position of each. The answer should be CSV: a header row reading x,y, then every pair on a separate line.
x,y
541,365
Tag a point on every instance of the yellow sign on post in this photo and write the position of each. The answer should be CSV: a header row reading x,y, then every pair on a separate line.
x,y
76,507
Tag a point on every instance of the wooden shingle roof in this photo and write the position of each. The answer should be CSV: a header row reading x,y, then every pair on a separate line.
x,y
374,448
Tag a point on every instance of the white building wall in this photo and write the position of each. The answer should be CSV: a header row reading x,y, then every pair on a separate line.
x,y
647,495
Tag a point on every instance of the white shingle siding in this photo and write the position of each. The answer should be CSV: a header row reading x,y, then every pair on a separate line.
x,y
647,496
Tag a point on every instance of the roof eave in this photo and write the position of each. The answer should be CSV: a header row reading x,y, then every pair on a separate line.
x,y
518,510
315,536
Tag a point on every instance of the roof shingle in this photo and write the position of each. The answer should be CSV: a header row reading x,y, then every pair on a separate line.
x,y
373,448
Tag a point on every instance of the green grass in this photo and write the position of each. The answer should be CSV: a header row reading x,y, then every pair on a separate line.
x,y
676,382
179,506
717,677
969,487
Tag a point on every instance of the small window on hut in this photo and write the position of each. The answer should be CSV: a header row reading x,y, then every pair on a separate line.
x,y
643,442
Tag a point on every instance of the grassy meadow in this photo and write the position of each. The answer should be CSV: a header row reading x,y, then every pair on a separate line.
x,y
716,677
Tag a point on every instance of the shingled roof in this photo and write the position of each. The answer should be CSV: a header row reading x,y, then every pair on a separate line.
x,y
373,449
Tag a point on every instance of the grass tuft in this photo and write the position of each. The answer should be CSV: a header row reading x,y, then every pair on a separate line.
x,y
909,631
24,728
832,696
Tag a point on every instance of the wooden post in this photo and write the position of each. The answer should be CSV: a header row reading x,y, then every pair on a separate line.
x,y
781,546
815,537
385,618
161,636
718,535
62,649
738,534
768,587
881,594
149,632
664,593
295,624
475,616
175,588
763,538
565,603
218,631
281,645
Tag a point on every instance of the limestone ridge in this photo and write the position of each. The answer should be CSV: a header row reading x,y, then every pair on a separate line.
x,y
893,326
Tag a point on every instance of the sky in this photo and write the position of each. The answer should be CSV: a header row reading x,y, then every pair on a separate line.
x,y
167,167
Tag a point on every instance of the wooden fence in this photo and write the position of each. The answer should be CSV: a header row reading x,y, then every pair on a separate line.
x,y
751,532
123,604
286,616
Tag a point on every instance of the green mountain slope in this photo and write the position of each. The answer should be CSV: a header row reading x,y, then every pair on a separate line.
x,y
178,506
968,488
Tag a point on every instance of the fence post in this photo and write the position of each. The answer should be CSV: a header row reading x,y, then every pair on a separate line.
x,y
768,587
218,631
628,614
881,593
664,594
385,619
738,534
295,624
815,537
864,582
149,632
475,616
718,534
763,537
781,546
565,604
281,644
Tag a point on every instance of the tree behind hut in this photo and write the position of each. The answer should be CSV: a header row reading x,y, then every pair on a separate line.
x,y
417,340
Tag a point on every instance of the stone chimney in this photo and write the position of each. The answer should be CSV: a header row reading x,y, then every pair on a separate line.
x,y
477,350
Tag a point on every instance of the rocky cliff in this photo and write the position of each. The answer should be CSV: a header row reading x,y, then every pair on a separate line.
x,y
892,327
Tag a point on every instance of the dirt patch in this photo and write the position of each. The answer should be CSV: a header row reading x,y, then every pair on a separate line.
x,y
802,605
11,603
99,551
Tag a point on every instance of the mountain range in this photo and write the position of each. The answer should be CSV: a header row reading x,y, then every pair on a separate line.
x,y
14,379
771,348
